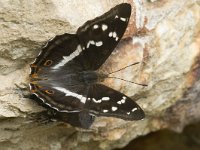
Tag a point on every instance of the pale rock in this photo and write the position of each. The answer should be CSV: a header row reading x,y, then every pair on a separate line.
x,y
165,37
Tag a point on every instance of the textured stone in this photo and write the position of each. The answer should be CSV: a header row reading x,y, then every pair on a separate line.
x,y
163,35
167,139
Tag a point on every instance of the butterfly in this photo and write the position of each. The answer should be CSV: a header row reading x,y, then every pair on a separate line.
x,y
65,76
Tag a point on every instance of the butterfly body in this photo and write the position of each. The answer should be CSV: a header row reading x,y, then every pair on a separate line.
x,y
65,74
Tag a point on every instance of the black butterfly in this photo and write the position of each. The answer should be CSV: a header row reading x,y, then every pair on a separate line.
x,y
65,77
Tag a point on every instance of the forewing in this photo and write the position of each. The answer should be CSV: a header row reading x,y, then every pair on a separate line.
x,y
53,74
105,101
57,54
99,37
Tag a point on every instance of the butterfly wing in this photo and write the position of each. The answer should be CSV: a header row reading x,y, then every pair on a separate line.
x,y
56,54
55,75
66,55
54,69
105,101
99,37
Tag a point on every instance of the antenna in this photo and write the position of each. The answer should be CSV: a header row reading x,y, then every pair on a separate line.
x,y
124,79
128,81
124,68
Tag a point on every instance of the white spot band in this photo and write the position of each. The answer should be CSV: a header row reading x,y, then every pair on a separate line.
x,y
104,27
95,26
72,94
100,43
113,35
105,110
122,101
122,19
66,59
114,108
100,100
134,109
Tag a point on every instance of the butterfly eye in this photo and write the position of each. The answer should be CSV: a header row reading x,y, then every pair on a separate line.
x,y
48,63
49,92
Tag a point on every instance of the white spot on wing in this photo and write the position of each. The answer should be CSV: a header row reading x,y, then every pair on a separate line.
x,y
90,42
114,34
122,101
122,19
114,108
116,16
95,26
105,98
104,27
100,43
119,102
100,100
96,101
66,59
105,110
128,113
124,97
69,93
110,34
134,109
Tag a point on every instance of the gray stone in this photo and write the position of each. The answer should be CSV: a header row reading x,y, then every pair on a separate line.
x,y
162,35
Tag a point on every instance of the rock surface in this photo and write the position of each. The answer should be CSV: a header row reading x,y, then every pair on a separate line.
x,y
163,35
188,139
